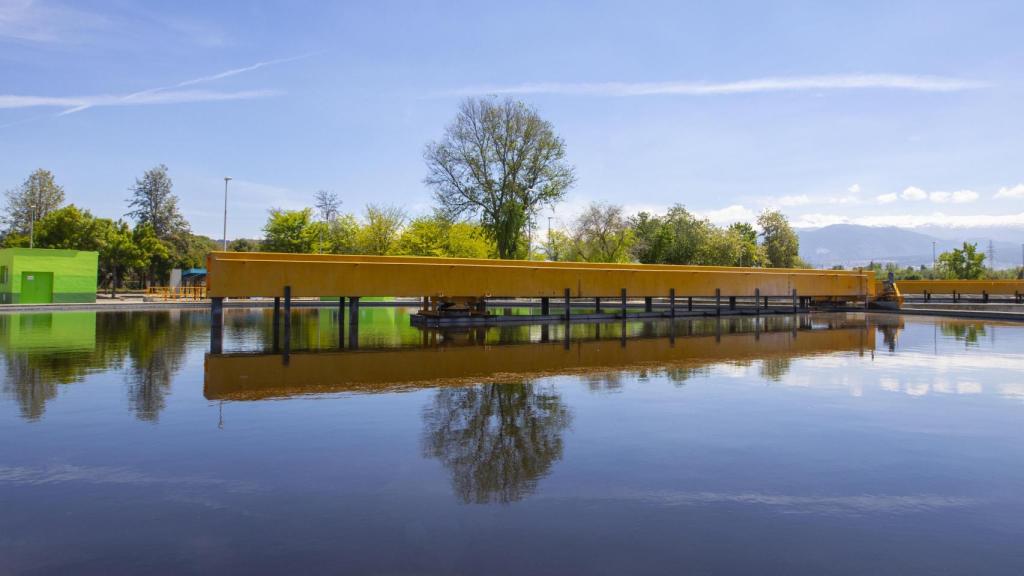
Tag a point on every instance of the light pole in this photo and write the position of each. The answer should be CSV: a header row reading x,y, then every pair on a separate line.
x,y
226,179
550,251
32,226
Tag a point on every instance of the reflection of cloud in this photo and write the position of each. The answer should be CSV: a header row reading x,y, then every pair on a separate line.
x,y
890,384
845,505
927,374
917,389
1012,390
968,388
69,473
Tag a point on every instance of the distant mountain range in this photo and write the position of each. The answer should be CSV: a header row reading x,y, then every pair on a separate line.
x,y
853,245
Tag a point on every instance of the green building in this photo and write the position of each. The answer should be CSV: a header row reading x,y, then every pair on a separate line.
x,y
41,276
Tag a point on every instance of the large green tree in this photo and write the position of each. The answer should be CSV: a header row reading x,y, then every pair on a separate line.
x,y
964,263
153,202
499,161
381,229
781,244
749,253
68,228
290,231
439,237
678,237
601,234
36,197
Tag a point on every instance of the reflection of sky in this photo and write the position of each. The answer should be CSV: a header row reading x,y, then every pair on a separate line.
x,y
911,373
932,356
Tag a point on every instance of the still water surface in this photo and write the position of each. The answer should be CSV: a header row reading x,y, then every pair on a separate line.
x,y
821,444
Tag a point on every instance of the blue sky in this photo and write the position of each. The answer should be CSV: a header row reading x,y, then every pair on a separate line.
x,y
902,113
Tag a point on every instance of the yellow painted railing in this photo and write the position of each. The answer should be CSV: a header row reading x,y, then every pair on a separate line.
x,y
181,293
990,287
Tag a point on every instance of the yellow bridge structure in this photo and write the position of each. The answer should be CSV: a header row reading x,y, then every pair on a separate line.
x,y
457,290
451,280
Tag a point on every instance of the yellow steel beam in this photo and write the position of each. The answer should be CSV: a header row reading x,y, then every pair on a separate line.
x,y
253,377
491,261
991,287
234,275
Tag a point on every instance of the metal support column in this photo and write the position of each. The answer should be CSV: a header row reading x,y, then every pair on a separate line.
x,y
757,300
672,302
732,302
597,304
353,322
623,295
216,325
341,322
545,306
568,304
796,300
287,320
648,304
718,301
689,303
276,323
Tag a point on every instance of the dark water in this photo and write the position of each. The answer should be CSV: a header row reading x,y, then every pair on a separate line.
x,y
824,444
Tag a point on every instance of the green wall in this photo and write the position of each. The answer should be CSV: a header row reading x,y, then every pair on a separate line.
x,y
48,331
74,273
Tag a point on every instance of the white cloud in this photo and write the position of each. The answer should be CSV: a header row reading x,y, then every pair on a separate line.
x,y
794,200
35,21
728,215
913,193
912,220
855,189
159,95
77,103
1011,192
886,198
851,197
958,197
776,84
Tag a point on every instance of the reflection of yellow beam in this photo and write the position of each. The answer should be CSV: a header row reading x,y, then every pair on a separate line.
x,y
994,287
253,377
238,275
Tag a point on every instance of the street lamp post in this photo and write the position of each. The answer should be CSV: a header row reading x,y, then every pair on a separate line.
x,y
32,226
226,179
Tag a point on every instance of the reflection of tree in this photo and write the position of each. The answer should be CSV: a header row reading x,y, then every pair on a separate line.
x,y
603,381
156,350
150,346
775,368
678,375
968,333
497,440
